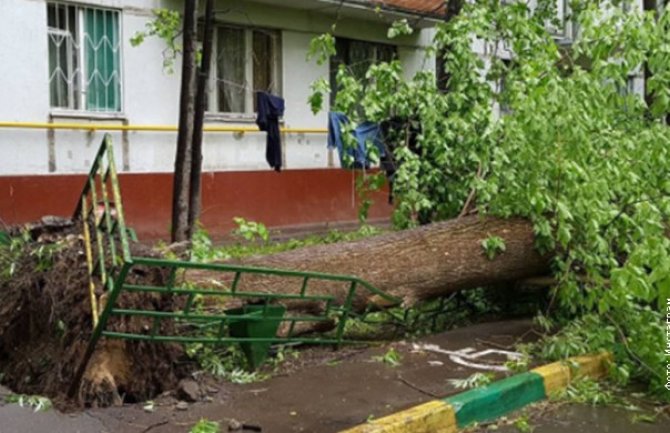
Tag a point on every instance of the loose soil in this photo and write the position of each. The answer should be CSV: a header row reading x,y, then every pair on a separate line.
x,y
45,325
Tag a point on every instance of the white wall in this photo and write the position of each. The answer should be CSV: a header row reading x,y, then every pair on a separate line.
x,y
414,58
151,95
24,91
302,150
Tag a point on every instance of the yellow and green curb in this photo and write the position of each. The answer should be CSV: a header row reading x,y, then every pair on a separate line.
x,y
450,414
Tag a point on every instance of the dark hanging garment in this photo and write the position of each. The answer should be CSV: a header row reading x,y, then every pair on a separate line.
x,y
270,109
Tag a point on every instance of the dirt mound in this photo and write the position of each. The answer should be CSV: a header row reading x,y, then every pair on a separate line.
x,y
46,323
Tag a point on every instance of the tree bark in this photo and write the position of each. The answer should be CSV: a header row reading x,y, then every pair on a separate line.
x,y
412,265
183,157
199,118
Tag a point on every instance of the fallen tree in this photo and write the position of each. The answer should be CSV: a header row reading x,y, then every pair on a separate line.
x,y
413,265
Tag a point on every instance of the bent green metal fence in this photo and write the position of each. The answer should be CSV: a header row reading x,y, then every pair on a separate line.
x,y
4,238
110,263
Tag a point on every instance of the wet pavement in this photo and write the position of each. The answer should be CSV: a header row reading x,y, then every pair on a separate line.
x,y
15,419
326,397
575,418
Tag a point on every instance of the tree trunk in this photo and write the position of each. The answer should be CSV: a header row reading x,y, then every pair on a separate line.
x,y
413,265
199,118
182,166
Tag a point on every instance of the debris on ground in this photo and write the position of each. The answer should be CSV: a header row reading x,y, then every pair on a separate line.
x,y
189,390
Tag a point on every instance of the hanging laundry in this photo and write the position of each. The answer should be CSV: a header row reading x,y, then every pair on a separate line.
x,y
270,109
335,141
369,133
366,132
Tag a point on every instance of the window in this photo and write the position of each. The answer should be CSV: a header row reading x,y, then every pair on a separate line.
x,y
441,74
247,60
84,58
562,27
358,56
629,88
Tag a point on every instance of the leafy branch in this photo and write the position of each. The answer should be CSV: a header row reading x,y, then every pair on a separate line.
x,y
575,153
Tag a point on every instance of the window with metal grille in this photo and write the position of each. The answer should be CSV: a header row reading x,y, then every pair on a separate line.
x,y
247,60
357,56
84,58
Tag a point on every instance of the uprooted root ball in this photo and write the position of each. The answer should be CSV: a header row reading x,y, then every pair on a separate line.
x,y
46,323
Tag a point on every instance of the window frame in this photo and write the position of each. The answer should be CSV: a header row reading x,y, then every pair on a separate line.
x,y
78,91
339,59
212,111
565,33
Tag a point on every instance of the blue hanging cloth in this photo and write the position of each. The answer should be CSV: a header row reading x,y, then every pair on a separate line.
x,y
366,132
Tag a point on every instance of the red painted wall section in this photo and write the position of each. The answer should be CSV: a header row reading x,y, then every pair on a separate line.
x,y
292,198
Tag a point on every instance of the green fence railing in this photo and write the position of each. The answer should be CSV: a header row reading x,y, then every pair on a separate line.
x,y
230,310
4,238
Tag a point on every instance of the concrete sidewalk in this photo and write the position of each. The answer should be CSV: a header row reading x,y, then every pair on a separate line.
x,y
589,419
492,401
327,397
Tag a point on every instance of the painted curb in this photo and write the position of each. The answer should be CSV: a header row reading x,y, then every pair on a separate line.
x,y
491,401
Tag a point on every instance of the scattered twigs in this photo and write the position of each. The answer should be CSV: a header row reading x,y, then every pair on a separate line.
x,y
416,388
632,354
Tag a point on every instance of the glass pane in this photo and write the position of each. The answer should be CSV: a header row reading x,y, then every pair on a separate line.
x,y
101,44
340,57
52,13
58,71
361,56
63,65
358,56
57,16
441,73
231,62
386,53
263,62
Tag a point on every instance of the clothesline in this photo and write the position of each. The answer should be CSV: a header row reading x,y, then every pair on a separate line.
x,y
246,86
271,86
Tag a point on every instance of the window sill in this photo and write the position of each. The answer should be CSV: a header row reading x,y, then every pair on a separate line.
x,y
86,115
231,117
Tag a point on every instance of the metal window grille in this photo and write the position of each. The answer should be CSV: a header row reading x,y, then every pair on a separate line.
x,y
358,56
84,58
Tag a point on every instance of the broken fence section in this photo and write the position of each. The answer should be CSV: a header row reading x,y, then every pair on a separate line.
x,y
253,324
